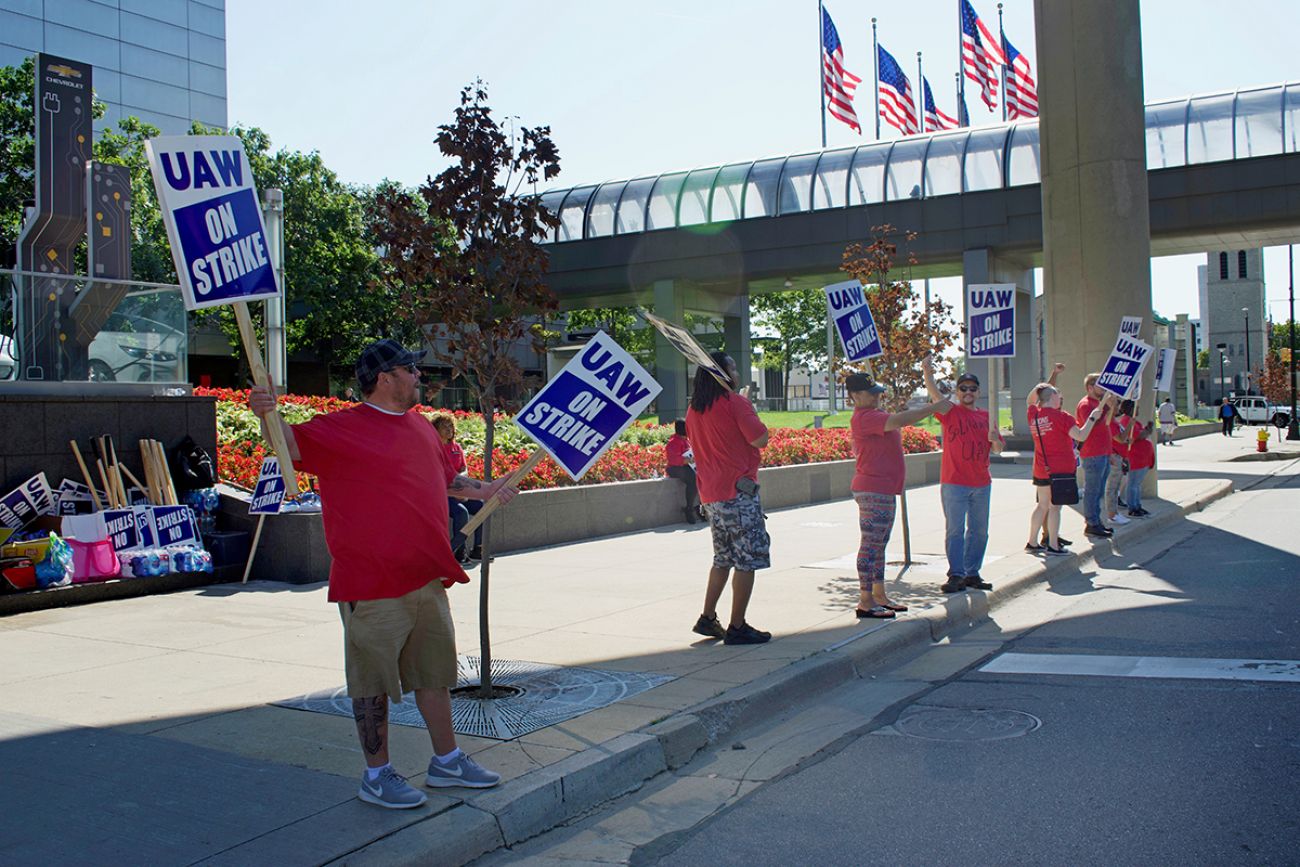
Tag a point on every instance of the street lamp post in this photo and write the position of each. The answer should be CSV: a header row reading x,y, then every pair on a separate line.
x,y
1245,313
1221,347
1293,429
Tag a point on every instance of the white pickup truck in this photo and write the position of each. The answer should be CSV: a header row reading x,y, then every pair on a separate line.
x,y
1258,410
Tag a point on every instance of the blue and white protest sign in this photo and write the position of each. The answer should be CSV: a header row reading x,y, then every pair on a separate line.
x,y
1123,368
73,498
583,409
847,303
121,529
174,525
25,503
991,320
144,526
268,493
1165,370
1131,326
214,219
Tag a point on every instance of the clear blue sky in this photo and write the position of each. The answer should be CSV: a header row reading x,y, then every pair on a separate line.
x,y
640,88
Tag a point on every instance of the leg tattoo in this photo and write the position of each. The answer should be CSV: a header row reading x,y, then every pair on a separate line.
x,y
371,715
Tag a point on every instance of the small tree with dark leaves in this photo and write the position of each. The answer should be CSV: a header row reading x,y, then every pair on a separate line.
x,y
463,254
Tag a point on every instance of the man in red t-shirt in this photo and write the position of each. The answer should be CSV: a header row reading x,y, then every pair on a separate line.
x,y
384,482
1094,456
726,437
964,480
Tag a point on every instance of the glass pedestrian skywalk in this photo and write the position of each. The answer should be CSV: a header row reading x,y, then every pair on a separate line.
x,y
1190,131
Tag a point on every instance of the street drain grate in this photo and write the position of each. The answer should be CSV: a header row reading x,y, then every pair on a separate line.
x,y
966,724
542,695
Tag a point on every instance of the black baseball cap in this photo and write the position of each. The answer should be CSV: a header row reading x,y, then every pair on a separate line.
x,y
968,377
382,356
863,382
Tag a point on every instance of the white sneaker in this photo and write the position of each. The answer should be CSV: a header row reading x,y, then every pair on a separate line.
x,y
1119,519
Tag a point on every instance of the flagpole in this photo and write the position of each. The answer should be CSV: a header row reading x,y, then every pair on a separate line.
x,y
961,79
875,74
920,97
961,121
1002,37
821,65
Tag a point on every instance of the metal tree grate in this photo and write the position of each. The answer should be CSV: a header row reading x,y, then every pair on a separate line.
x,y
548,694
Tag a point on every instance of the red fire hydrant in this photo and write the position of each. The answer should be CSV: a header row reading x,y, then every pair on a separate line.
x,y
1261,444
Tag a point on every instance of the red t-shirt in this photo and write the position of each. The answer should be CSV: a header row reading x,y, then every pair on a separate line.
x,y
1098,442
878,452
1050,431
1142,454
676,450
965,447
455,458
720,437
383,485
1118,427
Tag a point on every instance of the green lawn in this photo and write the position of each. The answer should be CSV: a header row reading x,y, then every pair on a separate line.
x,y
841,419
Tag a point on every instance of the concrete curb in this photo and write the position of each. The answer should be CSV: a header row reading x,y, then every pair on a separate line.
x,y
550,796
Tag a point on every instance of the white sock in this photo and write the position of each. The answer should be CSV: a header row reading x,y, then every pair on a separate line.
x,y
449,758
372,774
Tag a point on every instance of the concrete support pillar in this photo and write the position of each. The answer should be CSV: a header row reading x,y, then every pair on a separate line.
x,y
670,366
735,331
1096,224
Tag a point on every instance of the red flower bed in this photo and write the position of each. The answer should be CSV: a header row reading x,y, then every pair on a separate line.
x,y
238,461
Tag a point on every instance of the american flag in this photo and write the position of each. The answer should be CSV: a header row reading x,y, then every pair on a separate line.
x,y
980,57
895,95
1022,92
935,120
837,82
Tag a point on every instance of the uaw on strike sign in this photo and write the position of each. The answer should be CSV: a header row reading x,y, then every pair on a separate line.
x,y
991,320
584,408
847,304
214,221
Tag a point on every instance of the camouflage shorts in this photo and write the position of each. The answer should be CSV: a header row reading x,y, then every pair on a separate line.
x,y
740,539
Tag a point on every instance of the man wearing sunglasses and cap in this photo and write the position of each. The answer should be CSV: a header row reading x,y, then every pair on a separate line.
x,y
964,480
384,483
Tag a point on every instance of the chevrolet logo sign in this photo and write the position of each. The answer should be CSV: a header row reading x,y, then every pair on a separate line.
x,y
63,70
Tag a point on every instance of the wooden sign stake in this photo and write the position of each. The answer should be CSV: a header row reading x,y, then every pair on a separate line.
x,y
518,475
258,367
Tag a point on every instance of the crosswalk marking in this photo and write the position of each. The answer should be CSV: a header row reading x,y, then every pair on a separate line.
x,y
1174,667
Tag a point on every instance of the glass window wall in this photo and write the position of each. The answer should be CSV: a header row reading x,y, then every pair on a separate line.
x,y
761,188
600,216
1258,123
903,174
631,207
728,192
1167,134
1291,122
830,185
552,201
868,186
694,207
796,184
573,213
983,167
1209,129
662,213
943,164
1022,162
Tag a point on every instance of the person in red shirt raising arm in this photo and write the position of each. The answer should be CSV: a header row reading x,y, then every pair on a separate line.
x,y
1094,455
1054,433
384,481
964,480
726,436
877,482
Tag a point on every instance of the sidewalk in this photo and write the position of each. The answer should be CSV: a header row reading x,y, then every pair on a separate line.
x,y
140,731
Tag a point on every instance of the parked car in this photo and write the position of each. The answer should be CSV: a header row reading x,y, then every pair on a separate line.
x,y
1258,410
7,358
148,353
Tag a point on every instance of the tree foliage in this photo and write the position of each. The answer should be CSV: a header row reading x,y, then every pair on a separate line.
x,y
1274,380
621,323
798,317
462,254
909,330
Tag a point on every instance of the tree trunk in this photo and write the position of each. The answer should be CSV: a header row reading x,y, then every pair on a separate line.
x,y
907,529
487,401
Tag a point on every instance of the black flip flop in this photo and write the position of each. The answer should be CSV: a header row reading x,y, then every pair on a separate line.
x,y
878,612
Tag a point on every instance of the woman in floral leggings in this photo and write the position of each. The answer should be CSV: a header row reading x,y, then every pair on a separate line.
x,y
878,450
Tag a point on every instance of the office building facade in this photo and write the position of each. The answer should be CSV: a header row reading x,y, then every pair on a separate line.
x,y
163,61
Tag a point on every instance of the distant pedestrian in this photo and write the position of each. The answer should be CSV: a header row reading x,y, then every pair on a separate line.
x,y
1121,428
681,465
1227,415
1094,455
1141,458
1054,433
349,394
384,485
459,510
877,482
726,437
964,479
1168,417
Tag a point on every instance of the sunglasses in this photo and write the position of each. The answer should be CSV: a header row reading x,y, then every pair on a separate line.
x,y
409,367
968,388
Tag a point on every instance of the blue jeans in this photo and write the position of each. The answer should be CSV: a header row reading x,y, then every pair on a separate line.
x,y
966,513
459,512
1095,471
1134,496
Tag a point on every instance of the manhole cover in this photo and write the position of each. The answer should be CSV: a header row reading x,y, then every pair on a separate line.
x,y
965,724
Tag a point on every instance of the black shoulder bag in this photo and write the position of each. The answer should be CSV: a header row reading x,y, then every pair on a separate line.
x,y
1065,486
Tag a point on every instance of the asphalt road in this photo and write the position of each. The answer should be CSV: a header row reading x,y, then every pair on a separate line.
x,y
1120,770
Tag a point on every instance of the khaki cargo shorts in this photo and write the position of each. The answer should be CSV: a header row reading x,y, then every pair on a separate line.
x,y
393,646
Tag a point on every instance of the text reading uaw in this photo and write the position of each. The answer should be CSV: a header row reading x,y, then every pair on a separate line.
x,y
231,252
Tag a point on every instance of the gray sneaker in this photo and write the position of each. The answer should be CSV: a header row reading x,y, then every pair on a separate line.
x,y
390,790
462,771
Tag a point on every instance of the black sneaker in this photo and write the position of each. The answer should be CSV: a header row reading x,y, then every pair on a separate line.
x,y
954,584
975,582
1062,541
1102,532
1055,552
745,634
1031,548
709,627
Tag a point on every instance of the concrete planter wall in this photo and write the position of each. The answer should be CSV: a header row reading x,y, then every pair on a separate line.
x,y
292,547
